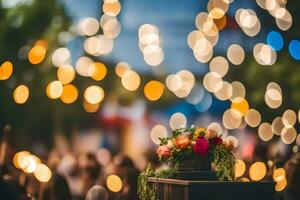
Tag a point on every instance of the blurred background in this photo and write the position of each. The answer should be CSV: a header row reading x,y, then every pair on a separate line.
x,y
89,86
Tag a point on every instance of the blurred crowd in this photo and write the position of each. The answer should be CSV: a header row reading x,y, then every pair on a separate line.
x,y
75,177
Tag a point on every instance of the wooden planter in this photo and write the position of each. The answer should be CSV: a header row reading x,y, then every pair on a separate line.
x,y
197,169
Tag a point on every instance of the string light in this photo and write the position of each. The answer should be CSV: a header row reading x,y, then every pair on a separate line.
x,y
6,70
21,94
153,90
114,183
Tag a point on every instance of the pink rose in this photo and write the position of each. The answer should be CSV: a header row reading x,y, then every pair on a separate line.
x,y
218,141
201,146
163,151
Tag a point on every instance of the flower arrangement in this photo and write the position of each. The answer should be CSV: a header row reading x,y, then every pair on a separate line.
x,y
186,144
198,143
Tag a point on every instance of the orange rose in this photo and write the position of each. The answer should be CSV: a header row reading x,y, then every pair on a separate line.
x,y
210,134
182,142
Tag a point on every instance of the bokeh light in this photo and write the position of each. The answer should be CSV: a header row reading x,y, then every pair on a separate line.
x,y
265,132
114,183
37,54
21,94
90,108
212,82
288,135
232,119
178,120
253,118
277,126
70,94
20,159
294,49
219,65
240,168
66,74
88,26
157,132
289,118
275,40
153,90
42,173
97,71
236,54
264,54
61,57
54,89
84,65
216,127
121,68
111,8
242,106
257,171
131,80
94,94
205,102
238,91
6,70
285,23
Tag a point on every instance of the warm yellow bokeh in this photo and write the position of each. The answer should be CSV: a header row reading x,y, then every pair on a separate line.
x,y
131,80
20,159
91,108
111,9
37,54
257,171
98,71
21,94
32,164
240,168
6,70
240,105
153,90
114,183
279,174
42,42
94,94
281,185
54,89
121,68
221,23
42,173
66,74
70,94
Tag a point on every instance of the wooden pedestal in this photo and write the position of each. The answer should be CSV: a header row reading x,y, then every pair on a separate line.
x,y
174,189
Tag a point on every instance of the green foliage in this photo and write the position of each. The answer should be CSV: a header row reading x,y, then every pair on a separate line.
x,y
224,162
147,191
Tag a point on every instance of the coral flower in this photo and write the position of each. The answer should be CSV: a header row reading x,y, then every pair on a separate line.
x,y
182,142
210,134
163,151
201,146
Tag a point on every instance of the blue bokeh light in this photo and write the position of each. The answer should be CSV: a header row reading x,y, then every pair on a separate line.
x,y
294,49
275,40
